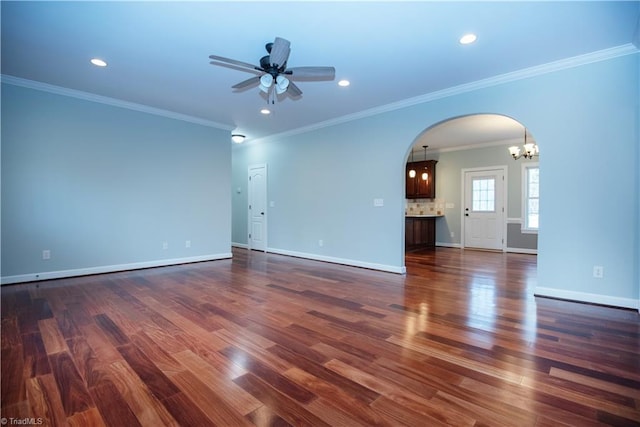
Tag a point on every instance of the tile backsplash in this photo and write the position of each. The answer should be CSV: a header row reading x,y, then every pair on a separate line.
x,y
424,207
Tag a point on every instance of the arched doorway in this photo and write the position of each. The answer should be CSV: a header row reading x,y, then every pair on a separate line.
x,y
473,150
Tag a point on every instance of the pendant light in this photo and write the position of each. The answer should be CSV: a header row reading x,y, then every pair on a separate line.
x,y
412,171
425,175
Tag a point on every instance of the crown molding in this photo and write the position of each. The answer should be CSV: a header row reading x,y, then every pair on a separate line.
x,y
86,96
562,64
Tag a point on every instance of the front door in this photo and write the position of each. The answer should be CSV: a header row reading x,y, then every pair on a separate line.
x,y
257,207
484,209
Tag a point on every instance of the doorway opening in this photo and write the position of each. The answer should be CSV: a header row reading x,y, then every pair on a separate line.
x,y
484,198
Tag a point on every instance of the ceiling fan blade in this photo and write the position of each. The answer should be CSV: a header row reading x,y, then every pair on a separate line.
x,y
279,52
246,83
324,73
235,67
233,61
293,89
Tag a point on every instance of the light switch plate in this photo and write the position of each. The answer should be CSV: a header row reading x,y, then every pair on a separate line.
x,y
378,202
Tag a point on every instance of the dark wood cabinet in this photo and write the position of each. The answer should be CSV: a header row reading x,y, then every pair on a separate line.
x,y
419,232
418,188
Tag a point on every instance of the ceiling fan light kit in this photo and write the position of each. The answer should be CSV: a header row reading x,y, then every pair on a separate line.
x,y
273,67
265,82
282,84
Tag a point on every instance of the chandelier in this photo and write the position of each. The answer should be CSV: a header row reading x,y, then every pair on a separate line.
x,y
529,152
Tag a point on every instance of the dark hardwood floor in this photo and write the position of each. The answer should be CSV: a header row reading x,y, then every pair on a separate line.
x,y
270,340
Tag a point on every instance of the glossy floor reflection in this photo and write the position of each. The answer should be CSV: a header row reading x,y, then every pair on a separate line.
x,y
266,340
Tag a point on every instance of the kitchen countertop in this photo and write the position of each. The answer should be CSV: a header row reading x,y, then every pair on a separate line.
x,y
423,216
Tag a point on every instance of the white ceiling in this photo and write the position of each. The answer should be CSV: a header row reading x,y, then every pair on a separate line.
x,y
477,129
390,51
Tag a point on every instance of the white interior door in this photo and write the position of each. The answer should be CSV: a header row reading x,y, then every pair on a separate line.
x,y
258,207
484,209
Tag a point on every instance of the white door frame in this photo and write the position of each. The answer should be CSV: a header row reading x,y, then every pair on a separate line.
x,y
249,200
463,172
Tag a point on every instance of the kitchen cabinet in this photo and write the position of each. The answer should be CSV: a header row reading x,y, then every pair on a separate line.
x,y
420,232
418,188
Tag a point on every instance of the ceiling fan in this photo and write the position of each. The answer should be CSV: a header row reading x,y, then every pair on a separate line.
x,y
273,74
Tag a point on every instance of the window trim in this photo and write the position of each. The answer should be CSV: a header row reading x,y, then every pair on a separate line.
x,y
525,197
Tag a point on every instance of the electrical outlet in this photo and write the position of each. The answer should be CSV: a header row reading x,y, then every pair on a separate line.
x,y
320,243
165,245
453,235
187,244
598,271
46,254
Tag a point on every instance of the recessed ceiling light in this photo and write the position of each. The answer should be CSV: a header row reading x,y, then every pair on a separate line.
x,y
98,62
265,111
344,83
468,38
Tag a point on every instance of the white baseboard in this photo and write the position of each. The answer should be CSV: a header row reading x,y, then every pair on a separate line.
x,y
523,251
48,275
449,245
513,250
240,245
587,297
343,261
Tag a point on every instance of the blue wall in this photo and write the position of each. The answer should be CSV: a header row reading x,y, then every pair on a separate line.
x,y
104,187
585,120
323,185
